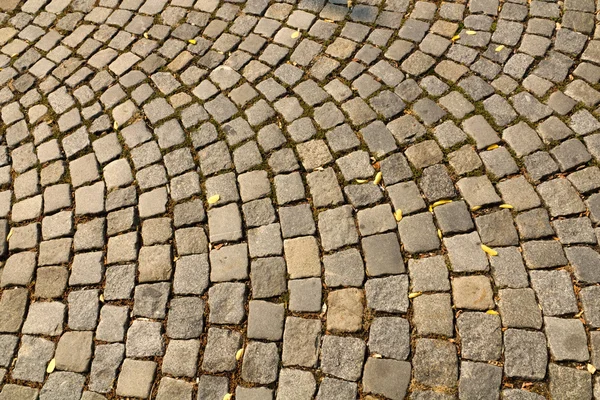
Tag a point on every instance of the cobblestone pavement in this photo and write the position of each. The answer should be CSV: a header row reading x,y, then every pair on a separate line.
x,y
298,199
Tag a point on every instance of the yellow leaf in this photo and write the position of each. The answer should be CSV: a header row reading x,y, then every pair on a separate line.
x,y
414,294
455,38
295,34
508,206
591,369
146,35
101,298
239,354
440,202
51,366
579,314
492,147
349,3
192,41
430,209
439,233
375,355
500,48
361,181
10,233
471,32
227,396
398,215
475,208
377,179
489,250
213,199
116,126
491,312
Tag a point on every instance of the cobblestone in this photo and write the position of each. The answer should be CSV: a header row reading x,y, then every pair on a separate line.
x,y
304,181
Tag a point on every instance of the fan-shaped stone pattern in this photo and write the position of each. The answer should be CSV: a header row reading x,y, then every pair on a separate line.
x,y
299,199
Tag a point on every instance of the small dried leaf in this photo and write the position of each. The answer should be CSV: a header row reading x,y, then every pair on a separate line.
x,y
10,233
295,34
398,215
349,3
414,294
116,126
475,208
146,35
499,48
489,250
591,369
101,298
192,41
439,233
579,314
51,366
375,355
507,206
455,38
471,32
491,312
228,396
214,199
377,179
239,354
361,181
492,147
440,202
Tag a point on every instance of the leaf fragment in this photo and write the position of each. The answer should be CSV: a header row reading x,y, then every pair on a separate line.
x,y
455,38
591,369
492,312
239,354
146,35
475,208
492,147
507,206
489,250
192,41
361,181
295,34
414,294
375,355
440,202
214,199
51,366
10,233
398,215
499,48
228,396
378,177
439,232
101,298
471,32
116,126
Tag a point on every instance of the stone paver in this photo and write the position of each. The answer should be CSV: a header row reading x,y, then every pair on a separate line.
x,y
299,199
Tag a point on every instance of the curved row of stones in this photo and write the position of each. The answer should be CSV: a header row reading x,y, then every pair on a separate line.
x,y
206,199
